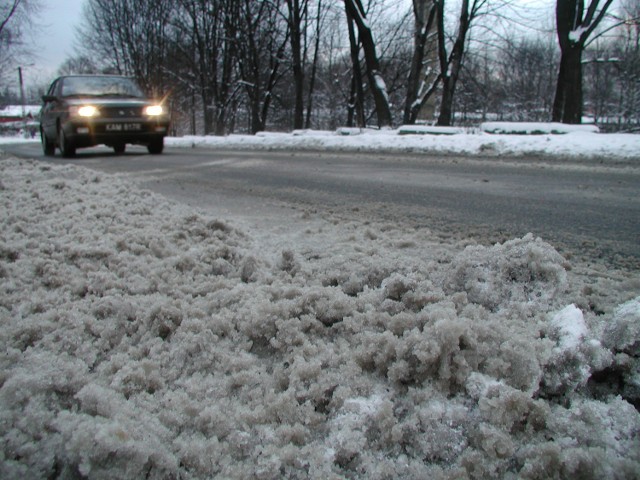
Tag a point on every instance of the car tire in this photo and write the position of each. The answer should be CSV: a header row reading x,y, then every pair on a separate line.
x,y
67,148
119,148
48,147
156,146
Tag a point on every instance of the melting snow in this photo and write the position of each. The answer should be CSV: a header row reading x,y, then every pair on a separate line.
x,y
143,339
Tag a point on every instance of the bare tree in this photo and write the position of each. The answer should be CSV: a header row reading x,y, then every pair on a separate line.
x,y
225,60
334,83
480,88
16,17
260,50
527,68
320,14
421,82
305,19
355,109
9,9
451,62
628,48
611,68
133,36
206,48
297,15
81,64
356,14
575,24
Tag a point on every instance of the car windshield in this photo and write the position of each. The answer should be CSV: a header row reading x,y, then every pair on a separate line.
x,y
100,86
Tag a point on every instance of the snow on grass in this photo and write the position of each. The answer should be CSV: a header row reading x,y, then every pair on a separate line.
x,y
143,339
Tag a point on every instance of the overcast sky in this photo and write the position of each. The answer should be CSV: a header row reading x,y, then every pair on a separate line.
x,y
54,39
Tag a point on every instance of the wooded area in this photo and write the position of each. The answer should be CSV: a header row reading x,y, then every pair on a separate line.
x,y
252,65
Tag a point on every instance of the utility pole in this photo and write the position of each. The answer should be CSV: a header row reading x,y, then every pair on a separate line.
x,y
24,116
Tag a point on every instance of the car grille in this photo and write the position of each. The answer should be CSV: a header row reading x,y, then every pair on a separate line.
x,y
121,112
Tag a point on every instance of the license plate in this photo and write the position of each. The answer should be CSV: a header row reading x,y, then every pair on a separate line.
x,y
123,127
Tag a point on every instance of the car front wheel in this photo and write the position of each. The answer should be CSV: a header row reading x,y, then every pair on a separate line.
x,y
67,147
48,146
156,146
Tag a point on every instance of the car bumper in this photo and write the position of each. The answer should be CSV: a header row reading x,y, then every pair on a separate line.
x,y
111,132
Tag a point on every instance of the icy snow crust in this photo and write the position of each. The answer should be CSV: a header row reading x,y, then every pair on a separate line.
x,y
141,339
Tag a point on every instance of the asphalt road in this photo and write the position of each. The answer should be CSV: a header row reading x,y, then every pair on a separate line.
x,y
588,209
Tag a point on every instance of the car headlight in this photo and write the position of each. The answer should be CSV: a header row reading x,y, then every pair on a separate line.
x,y
154,110
85,111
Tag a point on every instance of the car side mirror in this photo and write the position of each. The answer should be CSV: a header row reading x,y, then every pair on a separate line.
x,y
48,98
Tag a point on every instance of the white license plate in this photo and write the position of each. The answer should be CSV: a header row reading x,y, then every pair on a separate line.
x,y
123,127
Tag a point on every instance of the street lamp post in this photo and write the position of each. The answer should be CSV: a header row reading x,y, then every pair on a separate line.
x,y
24,116
22,100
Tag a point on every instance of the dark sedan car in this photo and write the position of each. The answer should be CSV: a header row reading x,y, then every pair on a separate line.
x,y
86,110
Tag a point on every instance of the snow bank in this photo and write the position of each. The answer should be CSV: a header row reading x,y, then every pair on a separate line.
x,y
579,142
536,128
141,339
429,130
575,144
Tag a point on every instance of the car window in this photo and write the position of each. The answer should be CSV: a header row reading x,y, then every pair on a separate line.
x,y
100,86
52,88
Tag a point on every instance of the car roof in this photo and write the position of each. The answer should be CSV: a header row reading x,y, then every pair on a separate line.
x,y
93,76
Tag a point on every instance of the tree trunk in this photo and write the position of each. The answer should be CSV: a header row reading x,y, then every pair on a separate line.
x,y
574,25
416,95
314,66
207,113
271,83
356,99
229,56
445,118
450,66
567,106
378,88
295,24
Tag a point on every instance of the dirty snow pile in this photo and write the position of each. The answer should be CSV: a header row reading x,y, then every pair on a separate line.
x,y
141,339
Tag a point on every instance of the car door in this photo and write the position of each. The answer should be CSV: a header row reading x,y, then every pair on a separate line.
x,y
48,112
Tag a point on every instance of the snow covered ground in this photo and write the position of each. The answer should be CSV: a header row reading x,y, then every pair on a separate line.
x,y
143,339
579,141
513,139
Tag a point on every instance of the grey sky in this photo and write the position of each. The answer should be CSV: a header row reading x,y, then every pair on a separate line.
x,y
54,39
